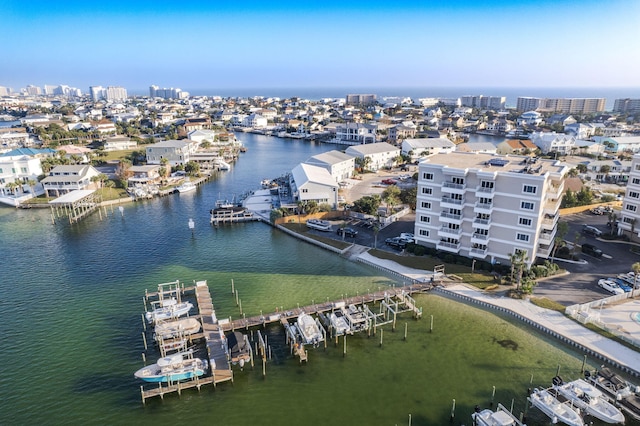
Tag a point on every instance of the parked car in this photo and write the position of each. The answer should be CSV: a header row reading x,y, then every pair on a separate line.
x,y
389,181
591,250
407,236
349,232
396,242
610,286
591,230
622,284
597,211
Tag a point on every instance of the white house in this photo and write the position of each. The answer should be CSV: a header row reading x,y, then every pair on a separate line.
x,y
380,154
420,148
338,164
66,178
480,147
255,121
553,142
313,183
529,118
355,134
176,152
119,143
19,169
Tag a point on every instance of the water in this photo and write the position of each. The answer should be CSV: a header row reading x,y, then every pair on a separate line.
x,y
72,303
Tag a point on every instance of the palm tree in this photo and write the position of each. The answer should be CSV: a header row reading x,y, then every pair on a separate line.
x,y
32,183
518,261
636,270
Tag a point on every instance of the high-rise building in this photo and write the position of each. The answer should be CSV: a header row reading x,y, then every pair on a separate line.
x,y
562,105
4,91
630,213
364,100
33,90
485,102
172,93
631,106
111,93
97,93
488,206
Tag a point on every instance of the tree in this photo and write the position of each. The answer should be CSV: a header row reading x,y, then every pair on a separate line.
x,y
391,196
605,169
192,168
409,197
518,261
31,183
561,230
582,168
636,270
368,204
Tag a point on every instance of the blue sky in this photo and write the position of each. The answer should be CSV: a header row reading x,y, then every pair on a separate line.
x,y
224,44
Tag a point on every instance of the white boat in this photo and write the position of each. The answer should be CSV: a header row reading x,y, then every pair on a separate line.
x,y
309,330
339,322
500,417
186,186
590,400
557,411
223,165
177,367
320,225
625,394
166,312
177,328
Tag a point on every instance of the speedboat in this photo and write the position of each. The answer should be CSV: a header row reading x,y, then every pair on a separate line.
x,y
309,330
320,225
178,328
626,395
177,367
557,411
339,322
165,312
589,399
500,417
186,186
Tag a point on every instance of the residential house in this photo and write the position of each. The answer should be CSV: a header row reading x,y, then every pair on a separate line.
x,y
614,171
313,183
339,165
487,206
66,178
400,131
479,147
119,143
176,152
380,155
621,144
144,175
19,166
420,148
355,134
551,142
80,152
530,118
516,146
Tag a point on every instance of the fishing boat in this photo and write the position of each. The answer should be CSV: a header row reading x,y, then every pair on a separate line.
x,y
173,368
320,225
588,399
186,186
309,330
239,348
177,328
167,311
339,323
557,411
500,417
626,395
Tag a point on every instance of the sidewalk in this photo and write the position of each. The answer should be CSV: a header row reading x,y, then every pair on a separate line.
x,y
551,322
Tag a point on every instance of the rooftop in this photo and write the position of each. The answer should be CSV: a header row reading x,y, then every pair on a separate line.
x,y
495,163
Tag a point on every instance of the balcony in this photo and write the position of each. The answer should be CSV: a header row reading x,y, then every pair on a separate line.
x,y
450,218
555,191
451,202
484,207
477,238
482,223
483,190
454,188
451,247
551,207
449,232
549,223
546,237
543,252
478,252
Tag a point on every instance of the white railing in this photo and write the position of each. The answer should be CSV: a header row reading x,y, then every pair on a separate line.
x,y
453,185
452,201
451,216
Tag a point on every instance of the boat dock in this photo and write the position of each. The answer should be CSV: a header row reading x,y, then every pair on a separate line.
x,y
212,333
232,215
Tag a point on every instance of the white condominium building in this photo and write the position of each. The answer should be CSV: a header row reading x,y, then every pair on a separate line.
x,y
488,206
630,214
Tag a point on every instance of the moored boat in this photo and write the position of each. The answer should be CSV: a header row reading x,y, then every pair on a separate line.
x,y
557,411
626,395
589,399
186,187
176,328
166,312
309,330
339,323
320,225
177,367
500,417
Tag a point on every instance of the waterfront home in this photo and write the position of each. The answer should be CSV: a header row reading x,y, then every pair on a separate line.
x,y
119,143
13,138
420,148
355,134
18,167
375,156
144,175
552,142
516,146
313,183
400,131
530,118
176,152
620,144
339,165
66,178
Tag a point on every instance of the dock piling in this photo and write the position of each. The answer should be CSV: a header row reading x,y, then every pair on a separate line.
x,y
493,394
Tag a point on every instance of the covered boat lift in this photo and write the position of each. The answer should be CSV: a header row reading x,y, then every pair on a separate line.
x,y
75,205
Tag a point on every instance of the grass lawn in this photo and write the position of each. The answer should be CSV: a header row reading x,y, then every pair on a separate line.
x,y
117,155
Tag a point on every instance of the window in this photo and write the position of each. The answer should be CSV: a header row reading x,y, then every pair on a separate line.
x,y
529,189
637,166
425,219
630,207
633,194
634,181
305,190
628,220
427,176
484,200
522,237
526,205
426,205
424,233
487,184
524,221
457,180
427,191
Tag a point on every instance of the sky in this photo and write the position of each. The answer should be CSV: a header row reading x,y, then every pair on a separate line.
x,y
330,43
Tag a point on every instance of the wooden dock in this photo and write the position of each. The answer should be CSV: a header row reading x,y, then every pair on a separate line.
x,y
399,293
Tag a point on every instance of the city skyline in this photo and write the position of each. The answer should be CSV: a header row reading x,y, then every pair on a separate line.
x,y
330,44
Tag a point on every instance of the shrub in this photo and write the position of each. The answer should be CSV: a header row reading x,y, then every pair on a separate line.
x,y
419,250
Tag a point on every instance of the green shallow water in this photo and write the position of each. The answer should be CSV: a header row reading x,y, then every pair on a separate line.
x,y
71,321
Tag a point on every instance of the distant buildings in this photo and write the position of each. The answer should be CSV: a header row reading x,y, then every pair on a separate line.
x,y
362,100
111,93
562,105
630,106
172,93
484,102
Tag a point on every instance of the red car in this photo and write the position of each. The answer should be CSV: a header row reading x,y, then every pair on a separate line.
x,y
389,181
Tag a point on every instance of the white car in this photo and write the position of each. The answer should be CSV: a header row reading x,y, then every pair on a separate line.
x,y
406,236
610,286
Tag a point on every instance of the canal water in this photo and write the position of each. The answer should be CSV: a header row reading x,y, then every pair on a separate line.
x,y
72,304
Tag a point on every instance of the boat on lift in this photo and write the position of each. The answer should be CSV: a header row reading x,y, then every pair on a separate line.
x,y
589,400
557,411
